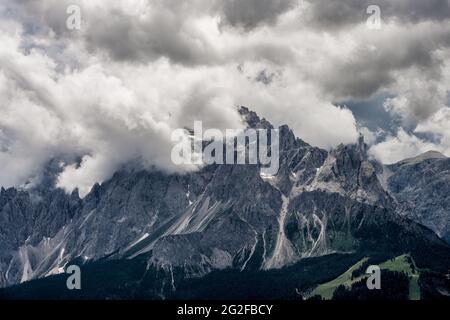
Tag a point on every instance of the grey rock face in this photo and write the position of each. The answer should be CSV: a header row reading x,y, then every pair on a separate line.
x,y
28,219
348,171
421,186
222,216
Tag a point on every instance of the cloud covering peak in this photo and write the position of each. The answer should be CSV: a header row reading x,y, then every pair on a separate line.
x,y
112,92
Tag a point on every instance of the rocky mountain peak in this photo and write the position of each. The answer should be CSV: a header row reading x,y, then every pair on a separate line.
x,y
253,120
429,155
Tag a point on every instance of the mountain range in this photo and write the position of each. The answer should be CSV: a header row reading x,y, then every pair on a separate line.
x,y
228,231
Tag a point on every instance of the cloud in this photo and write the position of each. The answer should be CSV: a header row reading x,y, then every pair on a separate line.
x,y
109,117
406,145
438,125
113,92
331,14
252,13
143,31
375,61
157,30
110,114
399,147
418,99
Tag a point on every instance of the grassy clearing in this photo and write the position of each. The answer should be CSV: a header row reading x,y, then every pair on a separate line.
x,y
399,264
326,290
402,264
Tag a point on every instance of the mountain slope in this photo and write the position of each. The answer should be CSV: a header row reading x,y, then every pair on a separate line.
x,y
421,186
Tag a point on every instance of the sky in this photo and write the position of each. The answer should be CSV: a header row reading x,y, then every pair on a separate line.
x,y
114,90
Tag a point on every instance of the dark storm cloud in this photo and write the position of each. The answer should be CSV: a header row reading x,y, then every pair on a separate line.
x,y
162,35
329,14
417,10
336,13
377,59
252,13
